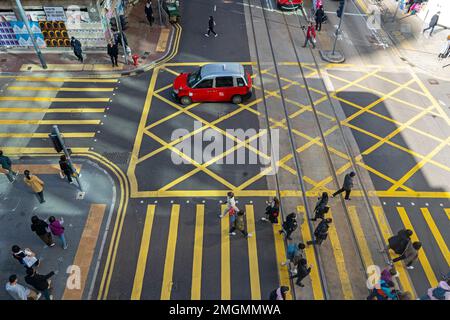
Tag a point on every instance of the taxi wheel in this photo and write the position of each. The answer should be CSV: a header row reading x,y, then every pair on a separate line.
x,y
186,100
237,99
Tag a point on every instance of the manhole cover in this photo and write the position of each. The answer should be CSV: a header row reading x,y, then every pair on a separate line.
x,y
433,81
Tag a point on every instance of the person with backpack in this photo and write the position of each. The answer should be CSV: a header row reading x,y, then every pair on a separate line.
x,y
410,255
441,292
5,163
321,232
239,224
321,207
399,242
279,293
272,211
18,291
58,230
290,225
40,282
41,228
66,169
26,257
36,184
303,270
383,291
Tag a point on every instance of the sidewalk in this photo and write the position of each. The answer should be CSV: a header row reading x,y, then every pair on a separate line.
x,y
149,43
85,223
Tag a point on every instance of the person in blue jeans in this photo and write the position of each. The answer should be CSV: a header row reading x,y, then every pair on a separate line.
x,y
58,230
5,163
40,282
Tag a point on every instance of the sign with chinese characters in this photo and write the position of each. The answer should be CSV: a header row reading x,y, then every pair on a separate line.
x,y
55,13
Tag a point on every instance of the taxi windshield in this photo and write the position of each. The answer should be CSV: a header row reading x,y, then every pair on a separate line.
x,y
194,77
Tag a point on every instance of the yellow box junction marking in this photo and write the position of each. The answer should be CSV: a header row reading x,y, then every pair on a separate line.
x,y
167,283
198,254
447,212
422,255
48,122
42,168
86,249
225,281
437,235
143,253
253,254
51,99
311,257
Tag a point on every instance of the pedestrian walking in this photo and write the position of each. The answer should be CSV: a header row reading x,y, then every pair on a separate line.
x,y
66,169
320,14
445,51
18,291
272,211
41,228
230,209
113,52
383,291
40,282
399,242
76,45
321,232
310,35
58,230
303,270
279,293
321,207
149,12
289,226
294,252
410,255
26,257
441,292
5,163
347,186
211,25
36,184
433,23
239,224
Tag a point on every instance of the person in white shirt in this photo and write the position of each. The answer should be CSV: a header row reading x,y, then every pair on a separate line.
x,y
19,292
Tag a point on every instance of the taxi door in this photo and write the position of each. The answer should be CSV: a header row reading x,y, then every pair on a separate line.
x,y
225,89
203,91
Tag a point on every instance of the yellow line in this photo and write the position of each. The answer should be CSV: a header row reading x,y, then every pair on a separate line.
x,y
280,251
405,281
42,168
363,6
311,257
198,247
422,255
225,278
447,212
143,253
253,254
45,135
52,99
26,150
437,235
60,89
359,232
48,122
381,175
162,41
56,79
167,283
55,110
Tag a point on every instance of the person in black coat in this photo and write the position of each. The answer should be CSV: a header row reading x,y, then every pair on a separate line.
x,y
433,23
40,282
76,45
66,168
399,242
113,52
149,12
321,207
211,24
303,270
320,13
321,232
347,186
289,225
40,227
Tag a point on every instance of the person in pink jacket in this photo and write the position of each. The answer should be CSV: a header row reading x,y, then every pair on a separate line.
x,y
58,230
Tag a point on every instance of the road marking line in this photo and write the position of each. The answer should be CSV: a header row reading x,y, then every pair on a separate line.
x,y
422,255
143,254
167,283
86,249
311,257
340,262
198,247
70,67
17,88
404,278
57,79
45,135
42,168
280,251
162,41
381,175
48,122
225,278
253,254
54,110
52,99
447,212
437,235
26,150
359,232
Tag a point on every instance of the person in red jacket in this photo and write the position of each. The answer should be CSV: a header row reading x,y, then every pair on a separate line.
x,y
310,35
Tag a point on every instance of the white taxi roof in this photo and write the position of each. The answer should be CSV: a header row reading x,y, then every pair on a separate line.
x,y
222,69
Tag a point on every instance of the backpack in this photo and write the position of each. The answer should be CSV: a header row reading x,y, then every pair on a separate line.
x,y
439,293
291,251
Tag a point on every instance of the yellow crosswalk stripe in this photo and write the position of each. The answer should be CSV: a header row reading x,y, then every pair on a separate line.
x,y
21,88
311,257
253,254
53,99
422,255
143,253
167,283
447,212
359,232
59,79
437,235
48,122
280,251
198,247
405,281
45,135
53,110
26,150
225,278
340,262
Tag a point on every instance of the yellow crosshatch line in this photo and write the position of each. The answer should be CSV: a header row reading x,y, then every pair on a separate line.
x,y
55,110
19,88
281,124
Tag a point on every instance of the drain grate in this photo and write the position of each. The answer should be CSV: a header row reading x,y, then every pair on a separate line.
x,y
433,81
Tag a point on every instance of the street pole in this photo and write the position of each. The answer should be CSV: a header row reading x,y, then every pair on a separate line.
x,y
119,28
27,25
159,10
396,10
339,28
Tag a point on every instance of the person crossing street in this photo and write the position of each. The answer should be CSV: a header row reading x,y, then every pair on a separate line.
x,y
347,186
41,228
321,232
5,163
239,224
36,184
211,25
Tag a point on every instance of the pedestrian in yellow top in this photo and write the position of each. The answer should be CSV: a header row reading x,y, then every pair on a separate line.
x,y
36,184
